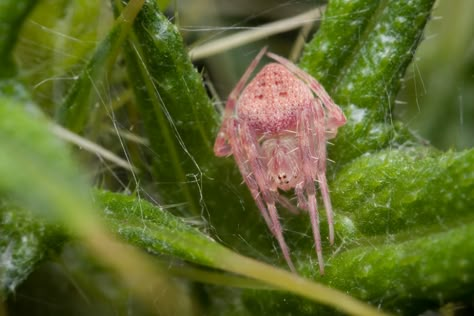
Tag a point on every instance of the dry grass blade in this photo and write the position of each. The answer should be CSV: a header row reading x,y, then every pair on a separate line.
x,y
245,37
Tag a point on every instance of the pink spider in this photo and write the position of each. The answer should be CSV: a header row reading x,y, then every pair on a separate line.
x,y
276,127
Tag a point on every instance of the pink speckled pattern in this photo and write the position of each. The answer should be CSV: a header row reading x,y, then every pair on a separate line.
x,y
271,101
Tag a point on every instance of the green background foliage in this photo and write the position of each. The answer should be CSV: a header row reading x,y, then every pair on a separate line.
x,y
404,223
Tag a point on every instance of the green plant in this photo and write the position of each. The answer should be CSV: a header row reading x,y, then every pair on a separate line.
x,y
403,209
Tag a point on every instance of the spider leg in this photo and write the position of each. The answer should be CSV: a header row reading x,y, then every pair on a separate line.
x,y
278,233
287,204
335,116
249,178
323,186
245,77
299,191
321,153
309,126
222,147
251,146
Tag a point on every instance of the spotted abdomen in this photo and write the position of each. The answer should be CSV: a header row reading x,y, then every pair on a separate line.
x,y
271,101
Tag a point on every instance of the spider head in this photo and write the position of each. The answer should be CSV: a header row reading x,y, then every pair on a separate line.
x,y
282,156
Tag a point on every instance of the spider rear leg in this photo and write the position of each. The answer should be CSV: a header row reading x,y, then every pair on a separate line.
x,y
323,187
314,217
310,132
278,233
321,153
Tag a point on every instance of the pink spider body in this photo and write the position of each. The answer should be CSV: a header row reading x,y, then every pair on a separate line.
x,y
276,127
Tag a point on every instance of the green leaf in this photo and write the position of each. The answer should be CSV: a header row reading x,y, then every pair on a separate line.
x,y
363,49
179,120
409,274
12,15
403,277
159,232
24,242
406,232
360,55
413,190
55,43
74,112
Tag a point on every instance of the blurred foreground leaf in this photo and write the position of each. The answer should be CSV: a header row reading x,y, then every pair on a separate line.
x,y
28,177
60,193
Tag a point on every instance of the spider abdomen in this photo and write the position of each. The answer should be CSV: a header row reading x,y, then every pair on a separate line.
x,y
271,101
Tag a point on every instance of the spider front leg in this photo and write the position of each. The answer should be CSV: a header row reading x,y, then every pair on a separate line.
x,y
251,151
244,168
222,147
